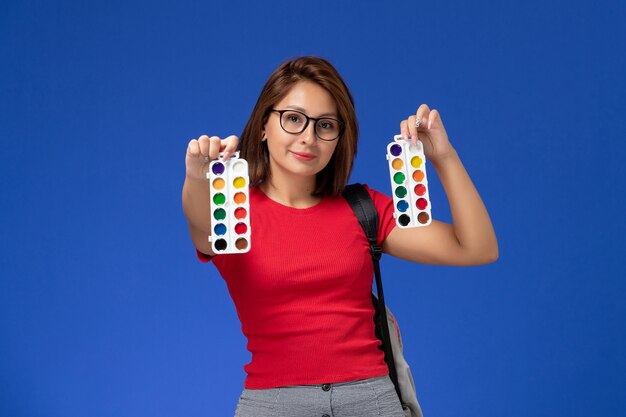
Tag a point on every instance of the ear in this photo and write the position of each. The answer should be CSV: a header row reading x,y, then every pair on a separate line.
x,y
264,137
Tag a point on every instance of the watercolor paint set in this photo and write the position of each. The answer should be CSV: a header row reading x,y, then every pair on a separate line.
x,y
409,186
230,205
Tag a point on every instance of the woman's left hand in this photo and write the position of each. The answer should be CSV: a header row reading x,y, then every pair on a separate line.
x,y
430,132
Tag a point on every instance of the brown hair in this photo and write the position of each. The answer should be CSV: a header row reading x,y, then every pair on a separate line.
x,y
333,178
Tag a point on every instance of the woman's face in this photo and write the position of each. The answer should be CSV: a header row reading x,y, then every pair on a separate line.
x,y
300,154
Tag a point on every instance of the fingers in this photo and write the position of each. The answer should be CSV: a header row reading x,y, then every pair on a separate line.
x,y
193,148
404,130
201,151
434,120
408,129
229,146
427,120
210,147
214,145
422,114
412,130
199,147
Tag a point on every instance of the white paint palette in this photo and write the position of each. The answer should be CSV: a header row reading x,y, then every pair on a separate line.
x,y
409,186
230,205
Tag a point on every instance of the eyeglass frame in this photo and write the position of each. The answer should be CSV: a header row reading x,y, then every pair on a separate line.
x,y
308,119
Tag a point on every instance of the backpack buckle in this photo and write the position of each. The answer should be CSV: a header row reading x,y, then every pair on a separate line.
x,y
376,251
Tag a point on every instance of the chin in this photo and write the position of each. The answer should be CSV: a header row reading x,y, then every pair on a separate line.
x,y
306,173
297,168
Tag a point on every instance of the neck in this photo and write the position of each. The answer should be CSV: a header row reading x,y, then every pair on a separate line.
x,y
294,192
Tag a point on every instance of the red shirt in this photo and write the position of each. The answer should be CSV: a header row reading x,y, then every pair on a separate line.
x,y
303,292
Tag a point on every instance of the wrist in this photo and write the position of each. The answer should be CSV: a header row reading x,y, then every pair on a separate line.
x,y
445,157
195,186
192,179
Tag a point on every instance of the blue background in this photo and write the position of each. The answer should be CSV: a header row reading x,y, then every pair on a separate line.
x,y
104,310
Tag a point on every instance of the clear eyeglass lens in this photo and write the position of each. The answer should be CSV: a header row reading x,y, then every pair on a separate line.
x,y
326,129
293,122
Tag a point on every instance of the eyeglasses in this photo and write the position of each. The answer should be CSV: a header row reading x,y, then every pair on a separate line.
x,y
295,122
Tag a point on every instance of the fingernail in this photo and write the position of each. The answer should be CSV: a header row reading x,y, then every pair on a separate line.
x,y
404,136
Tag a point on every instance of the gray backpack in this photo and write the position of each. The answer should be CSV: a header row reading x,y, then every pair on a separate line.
x,y
399,371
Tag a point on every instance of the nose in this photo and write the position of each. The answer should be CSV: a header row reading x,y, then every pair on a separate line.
x,y
309,135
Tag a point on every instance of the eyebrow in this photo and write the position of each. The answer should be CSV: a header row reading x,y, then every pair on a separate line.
x,y
304,111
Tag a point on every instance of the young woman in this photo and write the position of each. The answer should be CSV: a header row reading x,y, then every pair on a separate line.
x,y
302,292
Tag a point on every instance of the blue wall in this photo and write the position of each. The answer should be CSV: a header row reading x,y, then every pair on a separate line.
x,y
104,310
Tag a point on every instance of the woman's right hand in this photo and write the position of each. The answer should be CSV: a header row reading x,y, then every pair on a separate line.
x,y
201,151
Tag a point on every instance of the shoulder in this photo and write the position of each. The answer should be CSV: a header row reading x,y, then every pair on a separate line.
x,y
384,207
381,200
375,193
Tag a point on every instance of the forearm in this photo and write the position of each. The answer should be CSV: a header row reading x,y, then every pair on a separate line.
x,y
197,204
471,223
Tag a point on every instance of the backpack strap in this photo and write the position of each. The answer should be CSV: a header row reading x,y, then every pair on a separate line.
x,y
365,211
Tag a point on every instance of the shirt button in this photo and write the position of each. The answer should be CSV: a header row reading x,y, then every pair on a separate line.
x,y
326,387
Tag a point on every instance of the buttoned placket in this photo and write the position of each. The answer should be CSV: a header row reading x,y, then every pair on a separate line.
x,y
327,388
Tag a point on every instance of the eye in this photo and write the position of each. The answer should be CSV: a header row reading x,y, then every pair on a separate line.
x,y
293,117
327,124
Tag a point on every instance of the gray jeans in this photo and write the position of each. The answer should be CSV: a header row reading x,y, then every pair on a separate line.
x,y
364,398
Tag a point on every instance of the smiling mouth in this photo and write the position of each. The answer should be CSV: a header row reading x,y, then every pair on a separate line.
x,y
303,156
